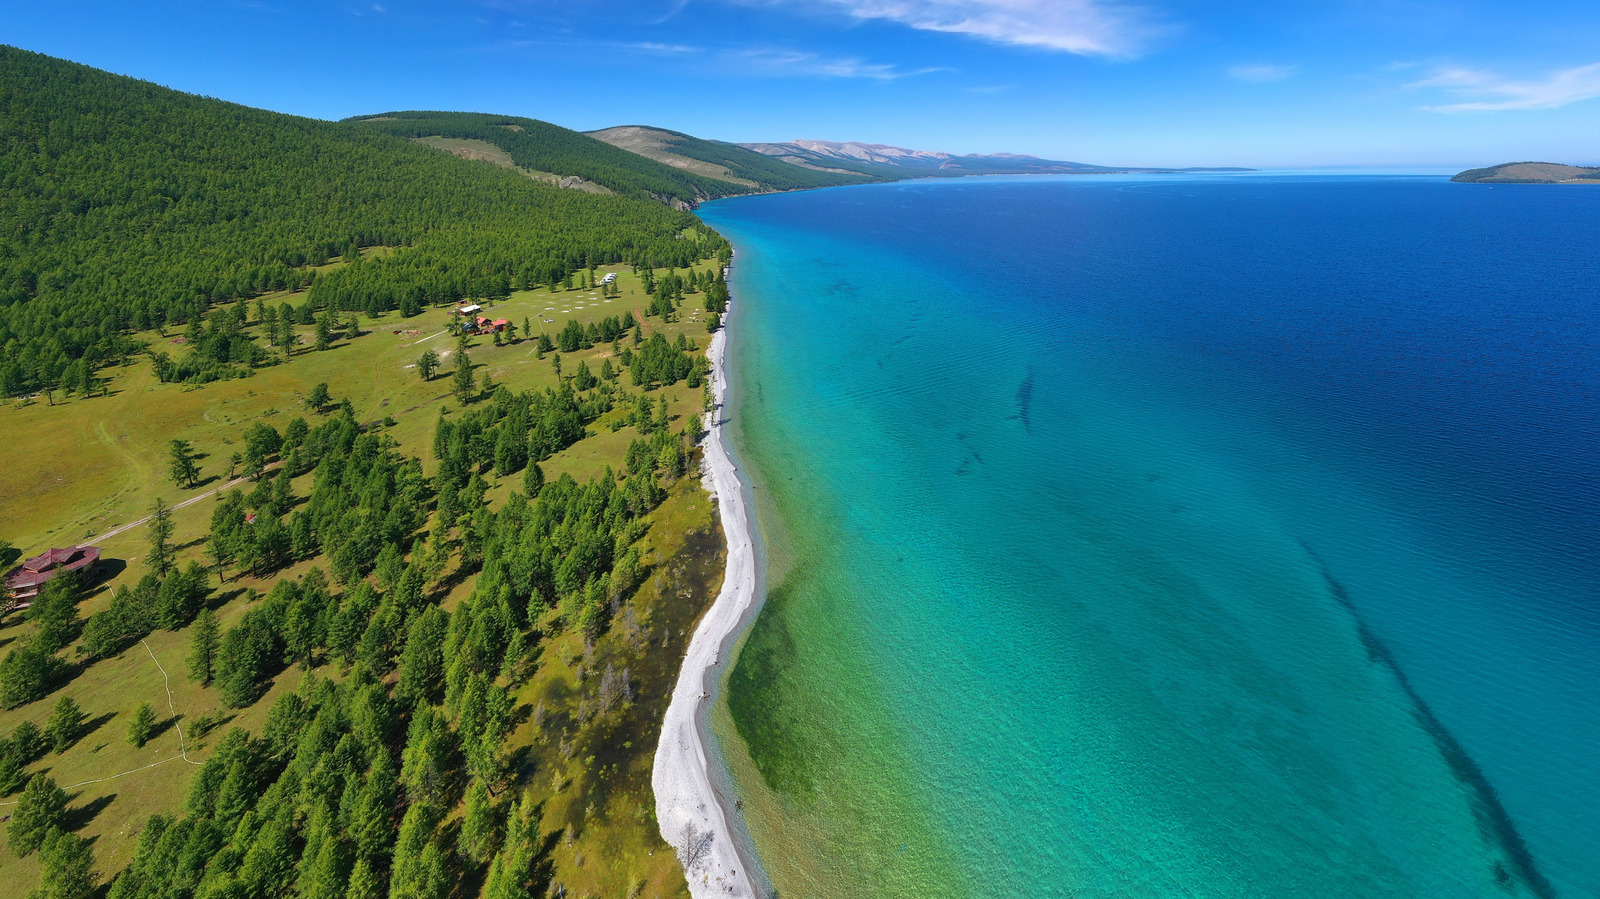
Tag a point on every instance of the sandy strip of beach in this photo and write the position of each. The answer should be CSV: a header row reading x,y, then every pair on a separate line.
x,y
693,817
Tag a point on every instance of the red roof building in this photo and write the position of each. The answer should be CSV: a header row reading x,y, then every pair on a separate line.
x,y
26,580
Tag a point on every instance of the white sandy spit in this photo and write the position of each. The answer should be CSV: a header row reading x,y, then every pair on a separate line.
x,y
693,817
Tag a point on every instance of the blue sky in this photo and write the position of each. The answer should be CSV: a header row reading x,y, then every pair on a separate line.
x,y
1166,82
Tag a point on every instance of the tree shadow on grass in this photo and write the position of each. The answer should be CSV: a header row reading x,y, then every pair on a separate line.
x,y
190,545
453,580
162,727
77,818
544,865
94,724
222,597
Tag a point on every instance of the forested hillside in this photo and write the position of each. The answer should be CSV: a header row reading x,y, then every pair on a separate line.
x,y
373,650
543,147
126,206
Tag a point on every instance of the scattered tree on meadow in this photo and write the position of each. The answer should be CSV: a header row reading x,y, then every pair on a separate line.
x,y
464,383
181,466
324,338
428,364
65,724
142,725
318,398
29,672
160,559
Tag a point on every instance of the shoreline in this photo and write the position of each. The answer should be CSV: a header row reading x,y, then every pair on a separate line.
x,y
693,816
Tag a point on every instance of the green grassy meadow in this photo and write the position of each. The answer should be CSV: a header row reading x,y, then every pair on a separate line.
x,y
83,466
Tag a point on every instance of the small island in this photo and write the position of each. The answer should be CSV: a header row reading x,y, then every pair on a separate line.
x,y
1531,173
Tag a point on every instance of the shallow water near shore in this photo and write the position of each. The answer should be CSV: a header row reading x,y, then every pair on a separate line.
x,y
1216,536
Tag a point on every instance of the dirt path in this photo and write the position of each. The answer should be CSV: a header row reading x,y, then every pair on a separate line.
x,y
185,504
183,750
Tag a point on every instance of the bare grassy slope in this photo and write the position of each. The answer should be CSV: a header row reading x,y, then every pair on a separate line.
x,y
653,143
1531,173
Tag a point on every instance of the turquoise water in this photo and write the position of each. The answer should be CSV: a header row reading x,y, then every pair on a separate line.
x,y
1203,537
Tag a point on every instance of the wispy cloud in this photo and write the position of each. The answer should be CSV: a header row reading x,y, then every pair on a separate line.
x,y
761,62
1486,91
1262,74
1087,27
780,62
654,47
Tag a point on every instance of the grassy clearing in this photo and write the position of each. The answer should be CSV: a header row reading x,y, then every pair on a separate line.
x,y
89,465
480,150
483,151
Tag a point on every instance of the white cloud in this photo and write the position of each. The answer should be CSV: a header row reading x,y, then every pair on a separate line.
x,y
1087,27
654,47
778,62
1485,91
1261,74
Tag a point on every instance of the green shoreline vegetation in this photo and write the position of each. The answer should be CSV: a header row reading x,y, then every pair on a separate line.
x,y
411,601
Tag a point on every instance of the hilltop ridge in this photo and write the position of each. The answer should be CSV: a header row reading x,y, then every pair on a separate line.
x,y
1530,173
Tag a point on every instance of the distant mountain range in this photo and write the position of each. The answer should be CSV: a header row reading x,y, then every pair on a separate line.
x,y
1531,173
899,162
780,165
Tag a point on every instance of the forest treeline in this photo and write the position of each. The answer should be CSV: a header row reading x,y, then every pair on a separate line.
x,y
126,206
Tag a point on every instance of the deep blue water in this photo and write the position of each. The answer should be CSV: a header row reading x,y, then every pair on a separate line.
x,y
1216,536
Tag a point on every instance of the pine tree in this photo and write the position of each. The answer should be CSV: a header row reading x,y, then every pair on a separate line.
x,y
42,808
328,872
364,882
422,662
142,725
12,775
428,364
480,824
203,648
65,723
464,383
181,464
56,613
160,559
28,673
318,397
66,868
324,337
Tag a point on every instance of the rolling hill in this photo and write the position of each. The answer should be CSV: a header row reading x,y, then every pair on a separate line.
x,y
540,147
127,206
1530,173
724,161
